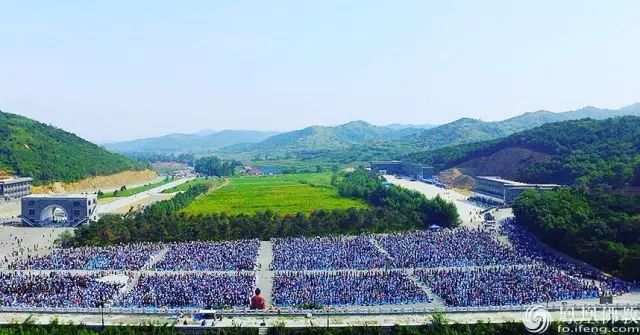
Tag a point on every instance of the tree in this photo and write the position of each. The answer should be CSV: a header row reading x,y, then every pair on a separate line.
x,y
214,166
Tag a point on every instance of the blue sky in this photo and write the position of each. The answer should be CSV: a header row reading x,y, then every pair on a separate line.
x,y
115,70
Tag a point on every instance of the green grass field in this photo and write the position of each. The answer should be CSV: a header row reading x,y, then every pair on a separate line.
x,y
283,194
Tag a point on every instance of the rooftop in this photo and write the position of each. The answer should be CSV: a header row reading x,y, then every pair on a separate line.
x,y
15,180
59,196
508,182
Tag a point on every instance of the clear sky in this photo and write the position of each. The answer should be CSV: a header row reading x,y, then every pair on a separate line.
x,y
112,70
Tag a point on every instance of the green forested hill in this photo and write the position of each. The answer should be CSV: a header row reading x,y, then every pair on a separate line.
x,y
320,139
585,152
471,130
30,148
361,142
597,218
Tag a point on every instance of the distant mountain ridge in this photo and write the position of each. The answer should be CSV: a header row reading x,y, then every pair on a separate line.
x,y
203,142
33,149
322,138
468,130
356,140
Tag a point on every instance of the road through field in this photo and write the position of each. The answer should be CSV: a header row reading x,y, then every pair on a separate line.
x,y
118,205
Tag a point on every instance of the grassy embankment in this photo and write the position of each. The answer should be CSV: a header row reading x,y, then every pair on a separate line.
x,y
134,190
211,182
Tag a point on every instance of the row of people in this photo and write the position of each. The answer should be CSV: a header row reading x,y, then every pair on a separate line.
x,y
484,202
500,286
448,248
298,289
54,290
211,256
194,290
117,257
326,253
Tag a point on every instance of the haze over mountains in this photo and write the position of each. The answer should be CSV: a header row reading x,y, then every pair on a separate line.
x,y
202,142
355,136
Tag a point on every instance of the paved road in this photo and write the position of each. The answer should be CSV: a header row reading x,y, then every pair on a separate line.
x,y
469,212
127,202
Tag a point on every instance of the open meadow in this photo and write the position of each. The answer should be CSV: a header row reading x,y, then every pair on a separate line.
x,y
283,194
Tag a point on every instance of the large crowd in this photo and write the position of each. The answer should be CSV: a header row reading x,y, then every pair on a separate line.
x,y
448,248
118,257
211,256
201,290
465,267
326,253
345,288
54,290
498,286
524,243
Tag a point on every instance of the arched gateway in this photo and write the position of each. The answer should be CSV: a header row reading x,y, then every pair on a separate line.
x,y
58,210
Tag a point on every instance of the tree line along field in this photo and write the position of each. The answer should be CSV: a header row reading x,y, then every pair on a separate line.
x,y
282,194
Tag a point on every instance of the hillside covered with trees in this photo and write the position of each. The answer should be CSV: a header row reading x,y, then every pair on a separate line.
x,y
33,149
581,152
599,227
596,218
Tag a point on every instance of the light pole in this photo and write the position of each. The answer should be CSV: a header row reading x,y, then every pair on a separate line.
x,y
102,309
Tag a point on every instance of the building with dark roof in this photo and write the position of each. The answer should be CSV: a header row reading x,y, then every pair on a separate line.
x,y
503,190
413,170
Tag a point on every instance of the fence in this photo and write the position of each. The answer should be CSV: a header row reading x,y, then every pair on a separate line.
x,y
379,310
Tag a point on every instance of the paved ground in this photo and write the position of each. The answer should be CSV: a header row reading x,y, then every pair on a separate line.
x,y
264,277
16,242
469,213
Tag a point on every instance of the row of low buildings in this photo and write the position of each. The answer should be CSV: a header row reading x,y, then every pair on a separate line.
x,y
504,191
14,188
413,170
491,188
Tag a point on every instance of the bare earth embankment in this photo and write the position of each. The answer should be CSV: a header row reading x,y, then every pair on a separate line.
x,y
104,183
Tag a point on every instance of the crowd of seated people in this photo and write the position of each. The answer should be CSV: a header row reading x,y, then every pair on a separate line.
x,y
298,289
326,253
190,290
448,248
117,257
211,256
499,286
524,242
54,290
